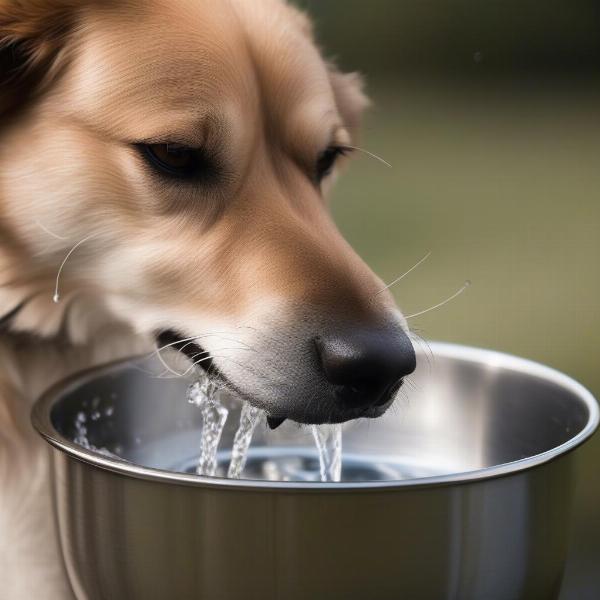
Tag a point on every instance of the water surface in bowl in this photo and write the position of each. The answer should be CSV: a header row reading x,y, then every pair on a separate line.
x,y
293,464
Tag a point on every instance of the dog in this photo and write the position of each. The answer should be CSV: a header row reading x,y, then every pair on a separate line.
x,y
164,170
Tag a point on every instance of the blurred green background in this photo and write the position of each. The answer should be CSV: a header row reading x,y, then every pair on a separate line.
x,y
489,113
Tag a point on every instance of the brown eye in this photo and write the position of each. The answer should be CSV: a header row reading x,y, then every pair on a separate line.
x,y
176,160
172,155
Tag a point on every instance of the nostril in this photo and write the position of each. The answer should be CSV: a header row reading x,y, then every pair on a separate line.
x,y
355,395
366,367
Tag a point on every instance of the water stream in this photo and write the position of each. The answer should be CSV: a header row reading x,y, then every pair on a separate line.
x,y
204,394
249,419
328,439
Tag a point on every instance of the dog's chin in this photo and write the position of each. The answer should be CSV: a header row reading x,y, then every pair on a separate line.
x,y
336,416
329,411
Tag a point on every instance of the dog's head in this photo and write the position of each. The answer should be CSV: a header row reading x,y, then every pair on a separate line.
x,y
189,145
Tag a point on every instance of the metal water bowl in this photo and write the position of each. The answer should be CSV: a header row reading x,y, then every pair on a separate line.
x,y
461,491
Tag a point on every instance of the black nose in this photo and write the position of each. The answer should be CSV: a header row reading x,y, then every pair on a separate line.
x,y
366,366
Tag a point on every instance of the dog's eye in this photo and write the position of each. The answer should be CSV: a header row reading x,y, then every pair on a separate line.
x,y
176,160
327,160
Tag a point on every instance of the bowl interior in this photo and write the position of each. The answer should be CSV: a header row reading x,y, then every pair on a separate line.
x,y
463,410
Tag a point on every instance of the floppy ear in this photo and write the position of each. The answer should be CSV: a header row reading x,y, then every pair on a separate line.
x,y
350,97
32,37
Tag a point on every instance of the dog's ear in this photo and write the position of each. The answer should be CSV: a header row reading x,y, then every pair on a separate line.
x,y
33,34
348,88
303,22
350,97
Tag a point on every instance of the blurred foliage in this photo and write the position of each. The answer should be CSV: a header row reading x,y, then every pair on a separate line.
x,y
496,171
453,38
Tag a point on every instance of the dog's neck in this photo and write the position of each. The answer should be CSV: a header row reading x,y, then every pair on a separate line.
x,y
42,341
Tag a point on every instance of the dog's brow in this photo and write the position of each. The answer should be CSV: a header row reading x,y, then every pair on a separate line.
x,y
215,130
210,132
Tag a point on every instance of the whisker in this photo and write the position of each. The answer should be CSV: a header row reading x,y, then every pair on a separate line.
x,y
197,362
432,308
194,364
197,337
56,297
399,279
428,352
164,375
411,384
167,367
208,357
381,160
178,375
189,341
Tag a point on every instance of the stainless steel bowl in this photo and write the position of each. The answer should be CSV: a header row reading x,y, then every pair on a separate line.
x,y
462,491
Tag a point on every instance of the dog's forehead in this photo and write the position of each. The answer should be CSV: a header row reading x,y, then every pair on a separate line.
x,y
178,62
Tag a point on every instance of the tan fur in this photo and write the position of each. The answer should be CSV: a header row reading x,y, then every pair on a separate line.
x,y
256,258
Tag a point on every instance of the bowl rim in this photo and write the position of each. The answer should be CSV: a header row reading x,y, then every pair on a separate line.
x,y
40,418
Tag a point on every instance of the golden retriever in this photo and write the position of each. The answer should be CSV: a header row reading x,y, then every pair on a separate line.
x,y
164,168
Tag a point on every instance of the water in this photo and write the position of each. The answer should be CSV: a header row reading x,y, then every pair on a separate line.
x,y
274,457
325,464
301,463
204,394
328,439
81,432
249,419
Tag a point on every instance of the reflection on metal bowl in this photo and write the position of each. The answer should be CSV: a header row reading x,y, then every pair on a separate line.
x,y
462,490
